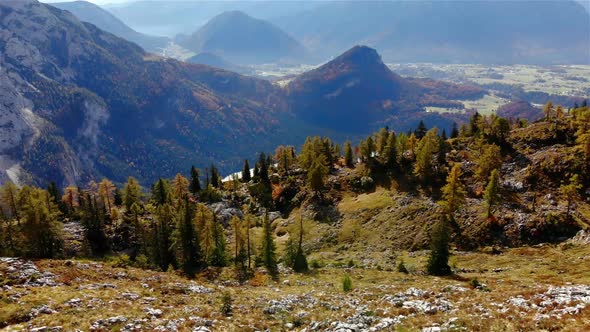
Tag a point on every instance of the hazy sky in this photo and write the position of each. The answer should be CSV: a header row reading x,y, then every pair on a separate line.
x,y
98,2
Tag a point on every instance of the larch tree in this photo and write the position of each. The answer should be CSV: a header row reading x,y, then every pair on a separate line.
x,y
180,187
131,192
316,175
453,192
570,192
427,148
438,261
219,256
106,190
489,160
9,198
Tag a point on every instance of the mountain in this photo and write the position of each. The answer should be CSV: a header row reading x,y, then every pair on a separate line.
x,y
78,103
216,61
245,40
172,17
91,13
520,110
357,92
448,31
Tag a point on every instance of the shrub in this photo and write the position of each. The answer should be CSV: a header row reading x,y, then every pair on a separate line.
x,y
401,267
226,304
346,283
350,263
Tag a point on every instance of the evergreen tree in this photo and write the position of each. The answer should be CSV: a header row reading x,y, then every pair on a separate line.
x,y
438,261
93,221
117,197
131,192
454,131
454,191
268,248
215,177
246,176
348,154
187,240
162,237
390,152
161,192
474,124
263,162
195,183
256,171
219,256
56,195
420,132
300,261
491,195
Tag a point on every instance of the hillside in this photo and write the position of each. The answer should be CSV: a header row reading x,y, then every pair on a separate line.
x,y
91,13
356,92
244,40
216,61
447,31
79,103
515,265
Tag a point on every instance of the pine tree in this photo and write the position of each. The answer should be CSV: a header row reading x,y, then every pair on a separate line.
x,y
56,196
264,178
348,155
219,256
420,132
162,237
215,177
438,261
246,176
300,261
268,248
117,197
93,220
454,131
161,192
131,192
454,191
491,195
187,240
195,183
390,152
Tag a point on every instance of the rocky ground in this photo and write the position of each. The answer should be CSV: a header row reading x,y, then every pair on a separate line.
x,y
533,288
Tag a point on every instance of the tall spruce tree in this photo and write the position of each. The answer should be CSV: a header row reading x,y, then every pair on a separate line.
x,y
219,256
438,261
269,258
246,176
187,240
195,182
300,261
348,154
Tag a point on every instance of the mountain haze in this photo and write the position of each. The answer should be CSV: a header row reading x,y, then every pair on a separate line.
x,y
244,39
91,13
448,31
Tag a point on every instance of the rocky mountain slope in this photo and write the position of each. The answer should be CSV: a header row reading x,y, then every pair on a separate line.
x,y
244,40
78,102
356,92
91,13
